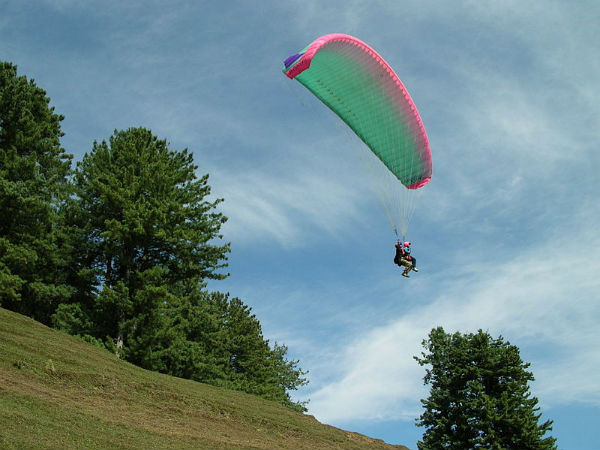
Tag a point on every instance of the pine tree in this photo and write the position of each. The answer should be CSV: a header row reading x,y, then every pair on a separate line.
x,y
214,339
148,235
479,396
147,240
34,168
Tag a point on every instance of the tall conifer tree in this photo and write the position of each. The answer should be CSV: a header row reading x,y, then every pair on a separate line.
x,y
33,185
149,232
148,241
479,396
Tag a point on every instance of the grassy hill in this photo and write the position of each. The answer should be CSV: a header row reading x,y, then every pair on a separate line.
x,y
57,391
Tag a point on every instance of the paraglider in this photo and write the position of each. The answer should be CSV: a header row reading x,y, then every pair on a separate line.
x,y
358,85
404,259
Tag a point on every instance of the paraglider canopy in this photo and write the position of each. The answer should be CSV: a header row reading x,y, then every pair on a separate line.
x,y
365,92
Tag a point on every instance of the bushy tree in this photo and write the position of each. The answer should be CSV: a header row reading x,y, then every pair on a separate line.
x,y
34,168
479,396
148,241
211,338
121,255
147,234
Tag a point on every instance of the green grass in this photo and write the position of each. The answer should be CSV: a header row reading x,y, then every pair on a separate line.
x,y
57,391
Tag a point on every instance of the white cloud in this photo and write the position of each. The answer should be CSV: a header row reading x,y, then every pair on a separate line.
x,y
543,301
289,200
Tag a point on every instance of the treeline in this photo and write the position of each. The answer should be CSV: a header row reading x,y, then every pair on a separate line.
x,y
118,250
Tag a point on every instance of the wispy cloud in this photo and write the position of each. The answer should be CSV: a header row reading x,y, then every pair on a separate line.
x,y
289,200
528,299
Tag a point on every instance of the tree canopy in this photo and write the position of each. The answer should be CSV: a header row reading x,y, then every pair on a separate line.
x,y
149,237
479,397
33,185
119,251
146,229
215,339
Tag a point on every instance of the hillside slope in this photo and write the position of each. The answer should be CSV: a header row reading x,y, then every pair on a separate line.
x,y
57,391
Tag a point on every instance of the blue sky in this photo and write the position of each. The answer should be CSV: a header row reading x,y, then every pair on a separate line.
x,y
506,233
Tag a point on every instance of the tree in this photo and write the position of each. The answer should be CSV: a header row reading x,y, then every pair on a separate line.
x,y
146,241
147,235
479,396
214,339
33,185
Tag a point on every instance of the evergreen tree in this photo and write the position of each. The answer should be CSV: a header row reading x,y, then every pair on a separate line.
x,y
479,396
147,235
33,185
146,243
211,338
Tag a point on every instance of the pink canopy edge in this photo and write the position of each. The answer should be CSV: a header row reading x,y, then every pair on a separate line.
x,y
417,125
419,184
313,48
